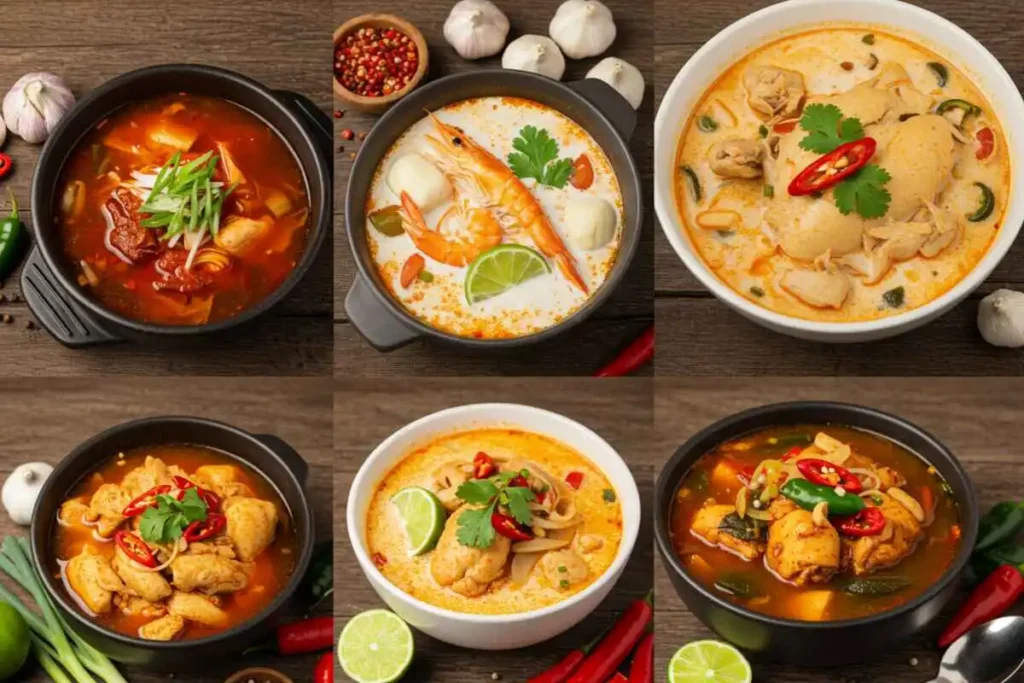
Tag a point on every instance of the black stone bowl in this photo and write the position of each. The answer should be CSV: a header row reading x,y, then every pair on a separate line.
x,y
266,454
61,305
811,643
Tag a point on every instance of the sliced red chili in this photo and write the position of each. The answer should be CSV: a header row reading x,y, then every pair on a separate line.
x,y
510,528
380,560
135,548
182,483
200,531
519,481
5,165
833,168
574,479
483,466
211,499
145,501
829,474
986,143
783,127
792,453
868,522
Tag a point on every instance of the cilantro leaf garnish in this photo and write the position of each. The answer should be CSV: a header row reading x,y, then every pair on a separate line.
x,y
166,521
519,499
864,192
477,491
536,156
827,129
475,527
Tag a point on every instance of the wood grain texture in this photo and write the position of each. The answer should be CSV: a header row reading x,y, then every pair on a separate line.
x,y
88,42
699,335
973,417
621,319
364,416
45,419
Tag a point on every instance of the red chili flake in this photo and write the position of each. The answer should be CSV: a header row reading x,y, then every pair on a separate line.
x,y
379,560
847,66
347,134
375,61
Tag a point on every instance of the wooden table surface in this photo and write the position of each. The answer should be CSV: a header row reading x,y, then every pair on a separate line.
x,y
580,351
363,417
697,334
285,45
971,416
45,419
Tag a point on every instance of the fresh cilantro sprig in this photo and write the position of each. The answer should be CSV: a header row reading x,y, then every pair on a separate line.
x,y
475,527
827,129
536,156
864,192
166,521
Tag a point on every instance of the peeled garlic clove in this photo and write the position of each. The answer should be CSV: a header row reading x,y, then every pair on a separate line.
x,y
35,105
536,54
583,28
476,28
623,76
1001,318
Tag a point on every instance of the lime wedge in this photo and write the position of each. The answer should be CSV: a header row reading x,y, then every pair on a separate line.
x,y
375,647
424,517
500,269
709,661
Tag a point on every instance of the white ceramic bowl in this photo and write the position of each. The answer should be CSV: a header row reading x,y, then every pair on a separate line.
x,y
497,632
740,38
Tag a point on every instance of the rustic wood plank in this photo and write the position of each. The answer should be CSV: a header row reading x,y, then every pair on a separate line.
x,y
88,43
700,335
364,416
299,411
973,418
632,301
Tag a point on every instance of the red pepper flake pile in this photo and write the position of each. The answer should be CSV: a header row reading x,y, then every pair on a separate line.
x,y
374,62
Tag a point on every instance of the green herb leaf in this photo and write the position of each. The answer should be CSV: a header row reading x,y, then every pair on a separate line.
x,y
535,152
827,128
519,499
743,528
475,529
894,297
608,495
167,520
477,491
864,192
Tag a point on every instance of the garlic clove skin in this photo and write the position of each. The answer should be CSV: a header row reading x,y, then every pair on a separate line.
x,y
35,105
583,28
21,489
623,76
1001,318
476,29
536,54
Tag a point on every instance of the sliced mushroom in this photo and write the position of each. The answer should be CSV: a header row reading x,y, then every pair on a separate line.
x,y
817,288
736,158
773,91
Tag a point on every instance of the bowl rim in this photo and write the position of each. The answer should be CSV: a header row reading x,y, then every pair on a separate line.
x,y
404,25
67,606
320,173
592,304
665,206
363,482
664,490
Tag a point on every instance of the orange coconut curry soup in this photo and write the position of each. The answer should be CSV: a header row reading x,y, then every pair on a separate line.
x,y
182,210
815,523
521,522
174,542
843,174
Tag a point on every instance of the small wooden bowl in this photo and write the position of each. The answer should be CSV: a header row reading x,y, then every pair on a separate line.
x,y
259,675
376,105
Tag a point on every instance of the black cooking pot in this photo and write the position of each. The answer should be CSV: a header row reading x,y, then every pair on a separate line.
x,y
264,453
591,103
67,311
804,642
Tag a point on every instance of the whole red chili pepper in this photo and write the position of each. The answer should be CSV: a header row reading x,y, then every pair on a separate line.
x,y
995,595
867,522
640,351
560,672
309,635
483,466
614,649
509,528
824,172
618,678
815,471
642,670
324,672
144,501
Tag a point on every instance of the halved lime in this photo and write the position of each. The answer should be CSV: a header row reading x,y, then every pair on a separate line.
x,y
709,661
424,517
501,268
375,647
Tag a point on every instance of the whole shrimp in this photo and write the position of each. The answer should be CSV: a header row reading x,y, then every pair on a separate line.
x,y
500,188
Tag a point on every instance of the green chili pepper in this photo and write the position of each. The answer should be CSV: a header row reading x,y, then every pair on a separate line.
x,y
894,297
707,124
985,206
966,107
12,239
940,71
880,585
807,495
388,220
694,183
319,578
1002,523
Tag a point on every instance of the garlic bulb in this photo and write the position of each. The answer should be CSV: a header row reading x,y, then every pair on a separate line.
x,y
583,28
21,490
34,106
622,76
476,28
3,132
1001,318
537,54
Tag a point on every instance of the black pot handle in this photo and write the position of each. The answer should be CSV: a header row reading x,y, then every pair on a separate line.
x,y
378,325
320,123
610,102
289,455
55,311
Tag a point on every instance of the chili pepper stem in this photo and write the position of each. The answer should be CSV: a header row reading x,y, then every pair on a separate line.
x,y
14,204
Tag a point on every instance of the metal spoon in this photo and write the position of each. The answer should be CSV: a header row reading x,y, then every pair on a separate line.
x,y
990,653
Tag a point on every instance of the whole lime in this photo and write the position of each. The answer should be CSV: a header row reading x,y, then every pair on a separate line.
x,y
14,641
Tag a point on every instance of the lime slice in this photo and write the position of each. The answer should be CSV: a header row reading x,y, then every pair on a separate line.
x,y
424,517
375,647
709,661
500,269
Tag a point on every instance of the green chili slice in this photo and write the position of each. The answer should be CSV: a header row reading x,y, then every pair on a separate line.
x,y
694,183
707,124
986,204
387,220
894,297
940,71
